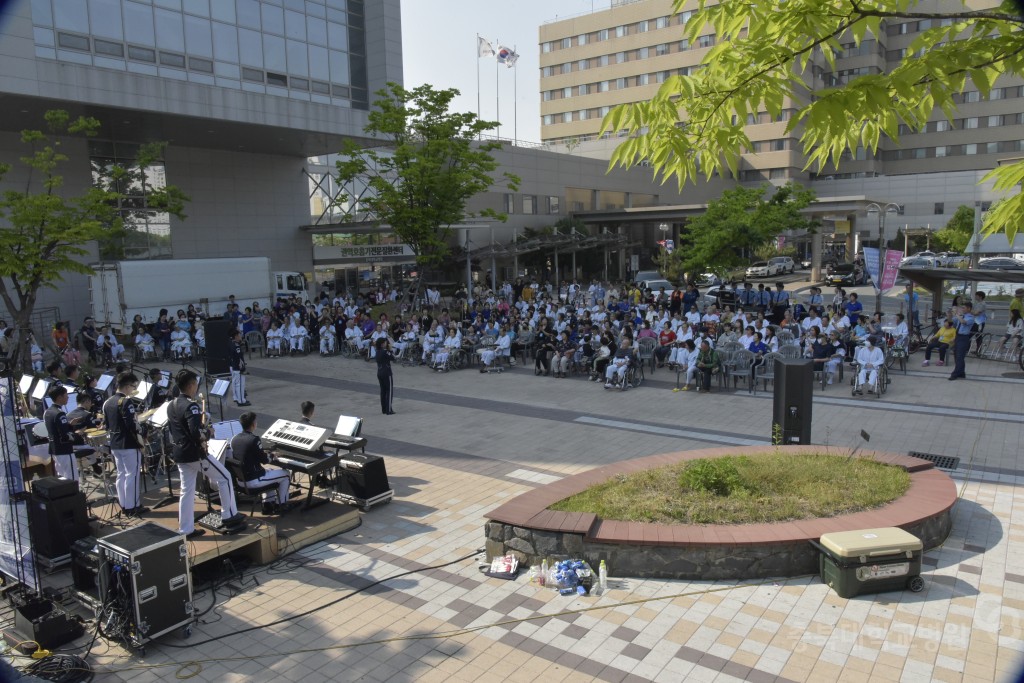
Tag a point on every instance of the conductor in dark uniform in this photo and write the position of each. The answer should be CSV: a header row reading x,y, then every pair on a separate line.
x,y
237,368
186,423
123,432
384,375
247,449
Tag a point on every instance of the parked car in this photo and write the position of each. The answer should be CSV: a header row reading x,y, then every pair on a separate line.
x,y
643,275
845,275
919,262
949,259
1000,263
785,264
920,254
707,280
656,285
763,269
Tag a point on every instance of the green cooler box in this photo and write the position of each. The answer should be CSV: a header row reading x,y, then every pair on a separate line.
x,y
870,561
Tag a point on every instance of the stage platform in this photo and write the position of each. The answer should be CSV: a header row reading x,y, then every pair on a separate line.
x,y
264,539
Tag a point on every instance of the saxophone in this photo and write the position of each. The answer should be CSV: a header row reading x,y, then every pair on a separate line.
x,y
204,422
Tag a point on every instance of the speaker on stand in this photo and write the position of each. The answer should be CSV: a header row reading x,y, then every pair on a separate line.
x,y
794,390
218,347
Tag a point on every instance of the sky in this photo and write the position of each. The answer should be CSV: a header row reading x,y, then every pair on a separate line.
x,y
439,47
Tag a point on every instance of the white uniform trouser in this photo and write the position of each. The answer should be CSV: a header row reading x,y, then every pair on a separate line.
x,y
487,356
327,344
238,386
66,465
279,477
274,344
216,473
869,376
129,465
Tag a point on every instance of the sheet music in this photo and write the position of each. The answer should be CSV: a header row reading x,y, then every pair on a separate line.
x,y
103,381
39,392
220,388
217,448
348,425
25,384
226,430
143,391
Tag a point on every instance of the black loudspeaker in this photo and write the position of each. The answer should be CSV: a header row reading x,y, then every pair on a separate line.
x,y
794,389
85,567
218,346
54,488
55,524
361,477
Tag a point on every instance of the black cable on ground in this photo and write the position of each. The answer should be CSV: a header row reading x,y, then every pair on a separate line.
x,y
61,669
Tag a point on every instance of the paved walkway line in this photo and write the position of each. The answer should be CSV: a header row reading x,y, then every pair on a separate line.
x,y
665,431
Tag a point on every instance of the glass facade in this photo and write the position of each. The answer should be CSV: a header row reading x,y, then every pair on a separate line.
x,y
147,233
313,50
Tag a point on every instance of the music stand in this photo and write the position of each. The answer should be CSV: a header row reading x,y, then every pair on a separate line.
x,y
158,420
220,390
104,381
143,392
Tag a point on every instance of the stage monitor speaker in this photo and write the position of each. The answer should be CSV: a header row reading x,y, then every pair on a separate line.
x,y
362,476
794,390
54,488
218,346
55,524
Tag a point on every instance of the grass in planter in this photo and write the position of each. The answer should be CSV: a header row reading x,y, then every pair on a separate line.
x,y
744,490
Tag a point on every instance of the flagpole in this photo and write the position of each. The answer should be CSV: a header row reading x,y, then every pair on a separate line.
x,y
515,101
478,82
497,94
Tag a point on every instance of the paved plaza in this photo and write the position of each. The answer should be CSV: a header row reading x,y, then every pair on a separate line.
x,y
464,442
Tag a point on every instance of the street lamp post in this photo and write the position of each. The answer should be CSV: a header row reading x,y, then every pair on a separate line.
x,y
881,211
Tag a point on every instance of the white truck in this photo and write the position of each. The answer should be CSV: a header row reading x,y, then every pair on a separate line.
x,y
120,290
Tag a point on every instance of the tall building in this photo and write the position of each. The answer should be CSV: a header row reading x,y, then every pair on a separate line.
x,y
244,92
595,61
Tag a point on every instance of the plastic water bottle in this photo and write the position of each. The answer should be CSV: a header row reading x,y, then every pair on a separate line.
x,y
602,577
543,578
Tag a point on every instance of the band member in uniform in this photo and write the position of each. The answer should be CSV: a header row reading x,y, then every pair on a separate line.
x,y
83,416
247,449
62,438
384,375
307,408
123,432
188,438
159,395
237,368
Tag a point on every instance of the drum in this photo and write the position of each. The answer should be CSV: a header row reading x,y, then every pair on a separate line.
x,y
144,416
39,431
96,436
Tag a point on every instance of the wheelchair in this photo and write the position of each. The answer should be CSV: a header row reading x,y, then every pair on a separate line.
x,y
880,386
632,378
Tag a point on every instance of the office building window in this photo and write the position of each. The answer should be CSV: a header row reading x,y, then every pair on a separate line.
x,y
581,39
548,96
620,83
971,122
581,65
941,126
602,34
554,204
545,47
941,151
621,31
778,173
603,60
642,53
971,96
643,79
510,203
105,47
529,204
642,26
661,76
201,65
546,119
566,93
661,49
72,42
253,75
662,22
991,147
566,43
171,59
994,121
971,149
940,208
583,89
141,54
604,86
705,41
620,57
546,71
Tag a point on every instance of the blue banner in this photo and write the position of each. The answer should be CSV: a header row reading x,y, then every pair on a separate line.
x,y
871,264
15,545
